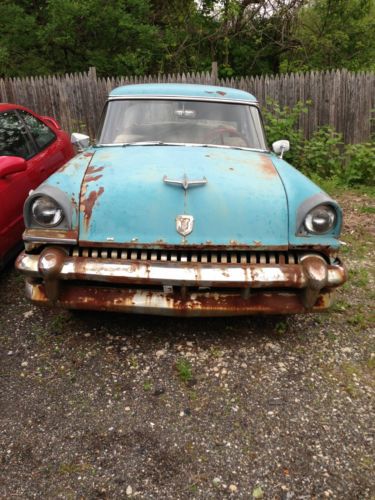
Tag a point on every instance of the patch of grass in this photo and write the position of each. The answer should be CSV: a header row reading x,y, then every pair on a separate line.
x,y
340,306
368,462
57,324
133,361
370,363
333,185
331,336
193,488
147,385
193,396
19,278
184,370
357,245
216,352
358,320
359,277
70,468
257,492
345,250
40,333
351,376
367,209
281,327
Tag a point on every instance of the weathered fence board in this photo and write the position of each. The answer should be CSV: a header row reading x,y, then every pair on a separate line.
x,y
339,98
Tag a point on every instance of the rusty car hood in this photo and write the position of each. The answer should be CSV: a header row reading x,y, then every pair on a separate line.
x,y
125,197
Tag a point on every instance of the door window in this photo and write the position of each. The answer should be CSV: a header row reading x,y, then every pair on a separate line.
x,y
42,135
14,140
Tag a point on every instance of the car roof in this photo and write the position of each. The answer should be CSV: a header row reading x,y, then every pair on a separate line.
x,y
6,106
182,90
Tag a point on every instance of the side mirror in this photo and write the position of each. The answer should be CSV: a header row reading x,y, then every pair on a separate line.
x,y
51,121
281,147
81,141
11,165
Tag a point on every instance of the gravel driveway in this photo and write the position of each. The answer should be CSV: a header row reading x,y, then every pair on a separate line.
x,y
98,405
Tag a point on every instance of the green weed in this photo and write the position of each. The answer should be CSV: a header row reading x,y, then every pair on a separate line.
x,y
367,210
359,277
147,385
184,370
57,324
281,327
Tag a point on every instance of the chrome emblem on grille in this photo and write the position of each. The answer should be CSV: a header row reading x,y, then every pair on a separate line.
x,y
184,224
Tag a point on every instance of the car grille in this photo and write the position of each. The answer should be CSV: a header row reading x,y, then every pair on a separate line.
x,y
192,256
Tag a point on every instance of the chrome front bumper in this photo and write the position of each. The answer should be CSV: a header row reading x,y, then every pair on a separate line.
x,y
179,288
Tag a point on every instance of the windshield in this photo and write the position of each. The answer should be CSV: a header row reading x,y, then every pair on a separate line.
x,y
181,122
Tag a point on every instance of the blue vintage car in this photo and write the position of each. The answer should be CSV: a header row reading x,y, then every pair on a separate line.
x,y
181,209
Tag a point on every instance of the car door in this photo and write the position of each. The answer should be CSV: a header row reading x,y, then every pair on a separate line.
x,y
50,149
14,141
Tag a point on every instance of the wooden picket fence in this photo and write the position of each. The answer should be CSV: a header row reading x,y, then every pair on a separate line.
x,y
340,98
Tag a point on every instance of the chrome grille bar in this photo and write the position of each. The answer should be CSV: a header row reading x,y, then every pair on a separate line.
x,y
193,256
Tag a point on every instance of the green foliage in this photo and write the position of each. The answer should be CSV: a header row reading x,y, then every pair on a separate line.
x,y
184,370
359,164
322,154
324,158
257,492
147,385
20,50
281,122
332,34
139,37
115,37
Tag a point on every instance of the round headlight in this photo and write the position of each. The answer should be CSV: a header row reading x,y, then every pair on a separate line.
x,y
321,219
46,211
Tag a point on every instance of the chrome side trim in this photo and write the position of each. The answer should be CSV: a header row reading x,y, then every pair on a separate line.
x,y
46,239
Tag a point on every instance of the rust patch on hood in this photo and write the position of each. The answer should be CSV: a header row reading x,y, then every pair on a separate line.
x,y
71,164
75,163
88,201
266,166
87,205
74,204
92,178
94,170
90,174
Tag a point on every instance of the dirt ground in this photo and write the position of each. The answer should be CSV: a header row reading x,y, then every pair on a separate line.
x,y
99,405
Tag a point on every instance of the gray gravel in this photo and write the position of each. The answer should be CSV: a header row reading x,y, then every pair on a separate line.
x,y
98,405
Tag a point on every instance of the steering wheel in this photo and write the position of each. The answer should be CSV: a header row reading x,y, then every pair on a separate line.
x,y
221,132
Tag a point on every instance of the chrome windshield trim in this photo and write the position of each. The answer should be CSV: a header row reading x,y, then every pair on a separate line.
x,y
188,144
183,98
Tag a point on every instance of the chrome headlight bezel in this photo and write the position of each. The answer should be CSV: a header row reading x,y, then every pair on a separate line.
x,y
43,198
324,215
65,201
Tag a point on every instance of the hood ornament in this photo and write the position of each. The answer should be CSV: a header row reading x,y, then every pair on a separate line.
x,y
184,224
185,183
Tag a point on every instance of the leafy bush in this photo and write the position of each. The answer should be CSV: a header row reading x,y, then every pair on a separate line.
x,y
359,165
281,122
324,156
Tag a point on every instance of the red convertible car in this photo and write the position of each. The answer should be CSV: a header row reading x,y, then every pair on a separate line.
x,y
32,147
